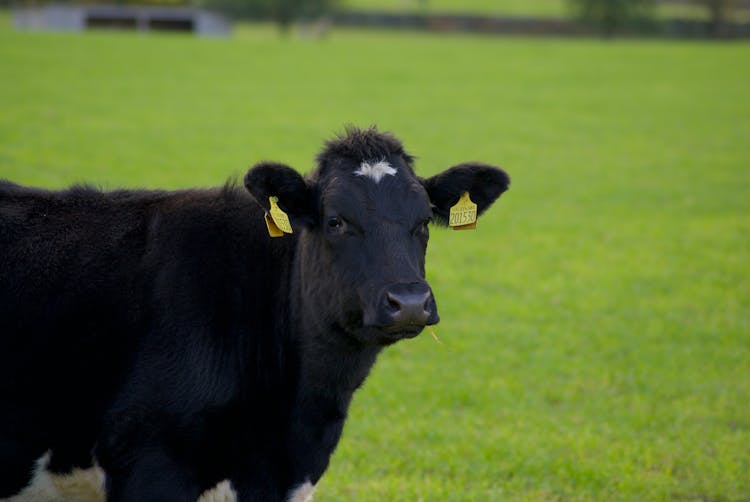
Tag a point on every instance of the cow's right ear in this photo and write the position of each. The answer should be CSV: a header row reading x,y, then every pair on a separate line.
x,y
295,197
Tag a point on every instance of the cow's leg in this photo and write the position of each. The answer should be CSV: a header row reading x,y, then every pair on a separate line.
x,y
257,480
252,489
154,476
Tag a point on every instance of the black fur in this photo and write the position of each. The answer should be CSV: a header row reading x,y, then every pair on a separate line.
x,y
363,144
166,334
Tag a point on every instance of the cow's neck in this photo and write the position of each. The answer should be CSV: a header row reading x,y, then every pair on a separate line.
x,y
332,365
331,369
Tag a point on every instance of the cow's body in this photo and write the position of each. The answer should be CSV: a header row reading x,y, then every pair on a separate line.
x,y
167,333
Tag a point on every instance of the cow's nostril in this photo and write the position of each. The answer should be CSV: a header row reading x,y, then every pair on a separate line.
x,y
393,302
403,309
408,305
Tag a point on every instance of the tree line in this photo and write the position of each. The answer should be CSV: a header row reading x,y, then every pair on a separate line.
x,y
611,16
608,17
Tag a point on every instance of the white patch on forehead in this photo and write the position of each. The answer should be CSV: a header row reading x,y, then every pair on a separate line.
x,y
375,171
303,493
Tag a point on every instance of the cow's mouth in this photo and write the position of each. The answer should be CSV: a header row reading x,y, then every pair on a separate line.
x,y
404,331
386,333
393,334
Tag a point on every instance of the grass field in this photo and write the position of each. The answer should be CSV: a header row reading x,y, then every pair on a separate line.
x,y
596,325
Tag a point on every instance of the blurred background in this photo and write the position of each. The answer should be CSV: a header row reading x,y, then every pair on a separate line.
x,y
596,324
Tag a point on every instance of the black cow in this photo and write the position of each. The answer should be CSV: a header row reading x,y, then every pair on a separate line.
x,y
167,335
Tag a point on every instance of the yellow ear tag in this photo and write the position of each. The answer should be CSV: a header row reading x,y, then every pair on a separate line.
x,y
278,217
463,215
273,230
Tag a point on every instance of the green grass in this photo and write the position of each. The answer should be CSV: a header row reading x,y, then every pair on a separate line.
x,y
596,325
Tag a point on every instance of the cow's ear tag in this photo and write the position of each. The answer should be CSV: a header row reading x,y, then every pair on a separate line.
x,y
277,221
463,215
273,230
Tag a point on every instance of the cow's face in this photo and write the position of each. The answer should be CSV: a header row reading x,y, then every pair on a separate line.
x,y
362,218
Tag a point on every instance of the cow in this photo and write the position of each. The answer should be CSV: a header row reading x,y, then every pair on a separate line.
x,y
167,336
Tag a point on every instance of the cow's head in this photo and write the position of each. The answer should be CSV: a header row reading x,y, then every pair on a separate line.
x,y
362,218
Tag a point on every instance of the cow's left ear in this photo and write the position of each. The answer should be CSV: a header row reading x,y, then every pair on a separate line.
x,y
484,183
273,179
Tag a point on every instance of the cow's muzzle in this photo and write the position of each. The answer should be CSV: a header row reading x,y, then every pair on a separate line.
x,y
403,310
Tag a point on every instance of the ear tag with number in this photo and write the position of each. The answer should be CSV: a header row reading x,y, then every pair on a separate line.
x,y
277,221
463,215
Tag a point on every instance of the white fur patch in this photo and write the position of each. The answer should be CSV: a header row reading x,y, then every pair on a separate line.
x,y
223,492
88,486
303,493
79,486
375,171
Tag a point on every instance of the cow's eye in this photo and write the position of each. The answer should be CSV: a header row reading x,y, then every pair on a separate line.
x,y
336,226
335,223
421,227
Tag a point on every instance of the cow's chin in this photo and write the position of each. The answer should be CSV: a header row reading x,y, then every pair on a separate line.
x,y
388,336
376,334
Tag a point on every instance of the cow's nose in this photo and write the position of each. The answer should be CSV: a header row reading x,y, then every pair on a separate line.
x,y
410,306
